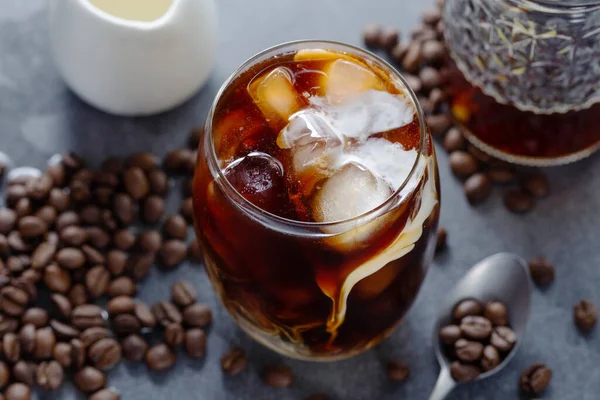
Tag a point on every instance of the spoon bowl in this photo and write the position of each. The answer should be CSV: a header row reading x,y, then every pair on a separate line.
x,y
502,277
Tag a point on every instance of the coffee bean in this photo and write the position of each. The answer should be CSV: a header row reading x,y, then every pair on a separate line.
x,y
490,358
89,379
63,331
46,214
541,270
197,314
65,219
80,191
62,305
72,161
32,227
70,258
11,347
97,237
187,210
175,227
585,315
159,182
145,161
116,262
503,338
413,57
17,244
183,293
477,188
109,221
174,334
496,312
4,246
31,275
463,372
77,354
86,316
124,239
415,84
194,252
24,372
144,315
153,209
73,235
125,324
535,379
136,183
42,255
177,161
167,313
105,394
501,175
371,35
467,307
93,334
18,391
62,353
454,140
4,374
50,375
172,253
433,51
17,264
476,327
397,371
123,208
14,193
479,154
134,347
59,199
13,300
149,241
44,343
120,305
430,77
188,188
57,279
105,353
27,338
36,316
441,239
278,376
399,51
439,123
518,201
195,136
160,358
462,163
8,218
234,361
535,183
39,188
449,334
388,38
139,265
432,16
468,351
96,281
122,285
8,324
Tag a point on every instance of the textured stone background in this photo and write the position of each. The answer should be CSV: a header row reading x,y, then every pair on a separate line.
x,y
39,117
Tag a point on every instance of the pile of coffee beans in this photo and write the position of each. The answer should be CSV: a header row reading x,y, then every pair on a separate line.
x,y
425,64
479,338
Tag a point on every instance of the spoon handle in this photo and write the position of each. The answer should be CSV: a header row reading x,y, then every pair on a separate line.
x,y
443,386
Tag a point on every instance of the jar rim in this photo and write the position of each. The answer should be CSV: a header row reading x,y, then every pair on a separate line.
x,y
252,209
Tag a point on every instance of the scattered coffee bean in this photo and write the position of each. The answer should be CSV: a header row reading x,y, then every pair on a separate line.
x,y
145,161
430,77
167,313
8,218
535,379
175,227
477,188
399,51
121,286
97,280
183,293
541,270
186,209
120,305
503,338
496,312
77,354
388,38
397,371
105,353
278,376
234,361
149,241
93,256
70,258
4,374
197,315
18,391
62,353
36,316
501,175
86,316
160,358
172,253
414,83
476,327
585,315
125,324
136,183
440,242
536,184
138,265
463,372
371,35
413,57
153,209
24,372
105,394
466,308
144,315
50,375
159,182
44,343
449,334
439,123
432,16
63,331
116,262
433,51
490,358
89,379
518,201
78,295
468,351
124,239
11,347
195,342
92,335
32,227
134,347
174,335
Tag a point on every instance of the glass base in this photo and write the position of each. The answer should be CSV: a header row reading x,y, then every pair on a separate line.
x,y
523,137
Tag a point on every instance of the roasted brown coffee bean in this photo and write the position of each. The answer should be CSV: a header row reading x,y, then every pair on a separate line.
x,y
109,221
31,275
11,347
36,316
413,57
166,313
16,264
8,218
96,281
92,335
174,335
160,357
57,279
44,343
439,123
13,300
430,77
63,331
234,361
97,237
449,334
518,201
399,51
72,161
80,191
50,375
175,227
122,285
73,235
124,239
46,214
18,391
27,338
454,140
105,353
476,327
503,338
89,379
186,209
153,209
24,285
397,371
59,199
136,183
65,219
105,394
24,372
541,270
177,161
496,312
501,175
535,379
371,35
198,315
62,305
477,188
14,193
144,315
4,246
134,347
32,227
70,258
172,253
415,84
441,239
433,51
145,161
4,374
42,255
432,16
195,136
123,208
149,241
467,307
490,358
139,265
62,353
159,182
535,183
86,316
278,376
585,315
17,244
468,351
463,372
463,164
124,324
39,188
183,293
120,305
77,354
8,324
388,38
116,262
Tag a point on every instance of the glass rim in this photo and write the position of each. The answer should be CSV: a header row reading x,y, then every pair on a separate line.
x,y
245,205
557,6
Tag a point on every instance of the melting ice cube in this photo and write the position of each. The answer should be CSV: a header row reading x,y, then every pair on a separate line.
x,y
276,97
346,78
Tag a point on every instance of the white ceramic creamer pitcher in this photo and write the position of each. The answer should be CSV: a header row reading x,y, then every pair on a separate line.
x,y
133,61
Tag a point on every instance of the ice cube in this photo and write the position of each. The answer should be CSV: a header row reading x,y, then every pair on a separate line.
x,y
321,54
276,97
234,128
346,78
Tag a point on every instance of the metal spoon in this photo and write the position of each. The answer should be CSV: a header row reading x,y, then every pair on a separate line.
x,y
503,277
